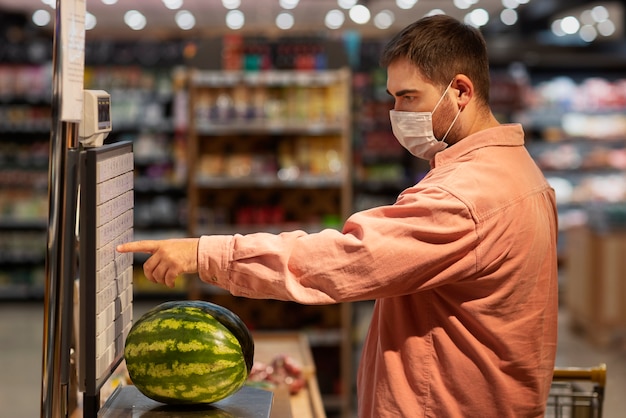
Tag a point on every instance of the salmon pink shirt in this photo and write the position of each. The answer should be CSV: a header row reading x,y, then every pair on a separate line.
x,y
463,271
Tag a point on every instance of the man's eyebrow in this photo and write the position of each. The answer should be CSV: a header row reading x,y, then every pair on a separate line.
x,y
401,93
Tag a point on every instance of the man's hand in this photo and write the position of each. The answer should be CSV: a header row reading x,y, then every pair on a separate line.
x,y
169,258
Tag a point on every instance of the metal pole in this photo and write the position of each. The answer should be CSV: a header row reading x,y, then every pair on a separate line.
x,y
61,244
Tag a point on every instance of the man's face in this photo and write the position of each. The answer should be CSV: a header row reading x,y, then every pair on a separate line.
x,y
412,92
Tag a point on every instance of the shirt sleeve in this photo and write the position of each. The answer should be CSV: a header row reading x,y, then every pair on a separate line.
x,y
425,239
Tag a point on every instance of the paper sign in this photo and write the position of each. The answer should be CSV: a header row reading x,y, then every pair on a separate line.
x,y
72,28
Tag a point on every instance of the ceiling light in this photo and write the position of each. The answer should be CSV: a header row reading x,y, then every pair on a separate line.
x,y
346,4
41,17
360,14
510,4
586,17
556,28
284,20
90,21
173,4
606,28
462,4
235,19
508,17
51,3
334,19
435,12
288,4
135,20
405,4
384,19
109,2
477,18
185,19
600,13
231,4
588,33
570,25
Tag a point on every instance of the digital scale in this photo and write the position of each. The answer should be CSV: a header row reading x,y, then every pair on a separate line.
x,y
106,282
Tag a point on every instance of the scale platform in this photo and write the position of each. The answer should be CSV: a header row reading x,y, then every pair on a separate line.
x,y
248,402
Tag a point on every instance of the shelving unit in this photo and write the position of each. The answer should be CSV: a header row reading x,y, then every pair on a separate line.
x,y
24,148
270,151
149,108
576,132
274,144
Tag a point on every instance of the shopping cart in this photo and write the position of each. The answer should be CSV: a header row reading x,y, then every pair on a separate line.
x,y
577,392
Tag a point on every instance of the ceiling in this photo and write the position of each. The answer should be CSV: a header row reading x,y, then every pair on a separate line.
x,y
308,15
529,40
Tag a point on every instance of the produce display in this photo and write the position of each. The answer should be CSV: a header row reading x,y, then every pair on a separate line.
x,y
189,352
282,370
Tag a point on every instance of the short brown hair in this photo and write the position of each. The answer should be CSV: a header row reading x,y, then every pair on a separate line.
x,y
441,47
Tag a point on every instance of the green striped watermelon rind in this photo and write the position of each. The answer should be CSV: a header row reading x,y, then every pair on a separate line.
x,y
225,316
188,378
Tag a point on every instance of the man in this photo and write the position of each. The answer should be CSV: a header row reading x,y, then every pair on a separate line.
x,y
462,267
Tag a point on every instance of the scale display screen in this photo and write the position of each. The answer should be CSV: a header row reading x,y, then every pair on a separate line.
x,y
104,113
106,277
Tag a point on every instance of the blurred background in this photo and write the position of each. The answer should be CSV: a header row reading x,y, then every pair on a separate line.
x,y
272,115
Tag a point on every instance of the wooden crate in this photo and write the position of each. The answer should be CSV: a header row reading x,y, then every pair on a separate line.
x,y
595,285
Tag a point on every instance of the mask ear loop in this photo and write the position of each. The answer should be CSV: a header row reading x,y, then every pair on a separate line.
x,y
457,113
452,124
442,96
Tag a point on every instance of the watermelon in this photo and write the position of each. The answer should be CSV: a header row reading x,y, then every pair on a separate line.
x,y
188,352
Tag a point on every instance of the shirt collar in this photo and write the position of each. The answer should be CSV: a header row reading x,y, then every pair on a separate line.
x,y
509,134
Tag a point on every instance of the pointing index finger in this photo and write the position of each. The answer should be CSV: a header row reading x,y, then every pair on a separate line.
x,y
146,246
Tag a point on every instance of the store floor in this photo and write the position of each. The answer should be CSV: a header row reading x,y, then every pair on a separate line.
x,y
21,333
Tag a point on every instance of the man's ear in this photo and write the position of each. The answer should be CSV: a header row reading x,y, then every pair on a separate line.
x,y
465,89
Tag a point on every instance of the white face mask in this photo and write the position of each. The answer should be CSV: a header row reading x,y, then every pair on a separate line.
x,y
414,131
